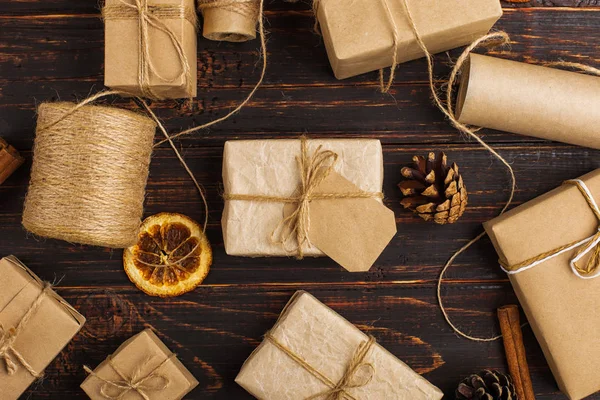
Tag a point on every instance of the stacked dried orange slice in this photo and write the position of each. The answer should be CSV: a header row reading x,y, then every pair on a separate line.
x,y
172,256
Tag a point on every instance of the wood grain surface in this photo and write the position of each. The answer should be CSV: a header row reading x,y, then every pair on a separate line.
x,y
53,49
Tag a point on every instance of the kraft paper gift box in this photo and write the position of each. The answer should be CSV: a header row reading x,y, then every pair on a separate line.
x,y
359,34
311,348
351,231
561,307
142,359
37,321
129,67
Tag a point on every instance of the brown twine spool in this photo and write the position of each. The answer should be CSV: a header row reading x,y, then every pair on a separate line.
x,y
230,20
89,174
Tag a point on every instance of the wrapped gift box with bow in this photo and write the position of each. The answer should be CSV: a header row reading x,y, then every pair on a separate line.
x,y
306,198
549,248
142,367
150,47
35,325
312,353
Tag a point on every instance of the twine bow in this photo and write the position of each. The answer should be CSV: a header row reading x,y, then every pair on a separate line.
x,y
589,246
151,16
137,382
11,356
314,170
336,391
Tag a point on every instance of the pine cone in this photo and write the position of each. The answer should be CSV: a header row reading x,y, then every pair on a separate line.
x,y
487,385
433,190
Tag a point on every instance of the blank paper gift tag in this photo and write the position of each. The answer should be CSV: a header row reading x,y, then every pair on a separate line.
x,y
353,232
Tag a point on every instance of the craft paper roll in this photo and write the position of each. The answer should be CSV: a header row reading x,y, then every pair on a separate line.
x,y
230,22
530,100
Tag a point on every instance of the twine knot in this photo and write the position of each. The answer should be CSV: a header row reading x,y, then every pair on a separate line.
x,y
336,391
292,233
7,339
587,247
137,382
11,356
151,16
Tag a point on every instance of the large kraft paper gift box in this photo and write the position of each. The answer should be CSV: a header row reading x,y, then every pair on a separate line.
x,y
561,307
311,349
359,34
35,323
351,231
128,66
145,360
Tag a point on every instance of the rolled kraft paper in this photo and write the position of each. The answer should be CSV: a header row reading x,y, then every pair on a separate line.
x,y
530,100
231,21
89,174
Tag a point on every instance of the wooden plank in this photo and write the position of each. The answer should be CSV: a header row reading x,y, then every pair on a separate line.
x,y
213,330
416,254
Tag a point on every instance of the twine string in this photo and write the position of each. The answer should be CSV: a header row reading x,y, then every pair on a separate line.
x,y
12,357
263,53
314,169
152,17
245,8
589,246
339,390
137,382
490,41
383,86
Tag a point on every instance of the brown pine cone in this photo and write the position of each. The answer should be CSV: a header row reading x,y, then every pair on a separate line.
x,y
434,191
487,385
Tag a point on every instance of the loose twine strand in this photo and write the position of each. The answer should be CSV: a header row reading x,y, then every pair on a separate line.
x,y
11,357
490,41
137,382
314,169
152,17
245,8
336,391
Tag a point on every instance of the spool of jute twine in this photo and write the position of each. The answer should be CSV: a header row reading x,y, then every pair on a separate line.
x,y
89,174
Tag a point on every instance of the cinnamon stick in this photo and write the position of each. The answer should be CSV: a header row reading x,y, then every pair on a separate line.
x,y
515,351
10,160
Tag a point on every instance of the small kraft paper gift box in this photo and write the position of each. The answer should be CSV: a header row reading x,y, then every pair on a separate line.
x,y
363,35
150,47
142,367
549,247
306,198
314,353
35,325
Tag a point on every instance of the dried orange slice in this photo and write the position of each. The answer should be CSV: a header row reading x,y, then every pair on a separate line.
x,y
172,256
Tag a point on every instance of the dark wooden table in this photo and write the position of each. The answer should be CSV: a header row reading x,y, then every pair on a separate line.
x,y
53,49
